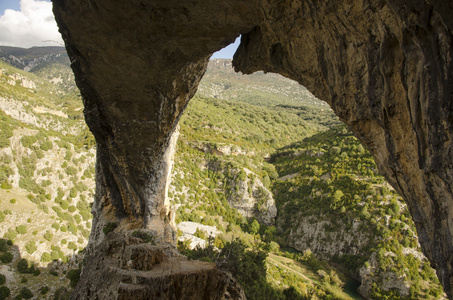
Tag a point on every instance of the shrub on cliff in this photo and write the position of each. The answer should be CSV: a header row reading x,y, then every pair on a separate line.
x,y
22,266
4,292
74,276
25,293
109,227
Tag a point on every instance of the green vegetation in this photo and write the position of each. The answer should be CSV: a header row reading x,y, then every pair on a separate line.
x,y
4,292
144,236
74,276
29,165
31,247
25,293
262,275
243,125
109,227
44,290
7,125
22,266
336,184
48,235
21,229
6,257
248,267
212,177
332,181
45,257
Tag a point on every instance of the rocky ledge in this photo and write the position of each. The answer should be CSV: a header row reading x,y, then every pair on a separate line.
x,y
132,265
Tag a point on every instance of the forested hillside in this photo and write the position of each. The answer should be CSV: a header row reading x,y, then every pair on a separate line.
x,y
332,200
47,183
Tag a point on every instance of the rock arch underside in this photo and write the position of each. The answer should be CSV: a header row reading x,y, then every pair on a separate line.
x,y
384,66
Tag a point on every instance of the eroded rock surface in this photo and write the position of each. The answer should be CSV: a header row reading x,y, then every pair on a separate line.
x,y
251,198
385,67
129,267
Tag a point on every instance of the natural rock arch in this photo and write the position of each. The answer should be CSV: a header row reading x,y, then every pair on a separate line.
x,y
384,66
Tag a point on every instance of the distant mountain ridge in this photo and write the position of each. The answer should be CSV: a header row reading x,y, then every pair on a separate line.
x,y
220,80
28,59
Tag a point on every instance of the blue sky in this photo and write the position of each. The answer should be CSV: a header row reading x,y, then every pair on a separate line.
x,y
27,23
9,4
228,51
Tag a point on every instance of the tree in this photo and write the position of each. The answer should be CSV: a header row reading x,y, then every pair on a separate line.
x,y
74,276
360,149
72,246
364,212
6,257
45,257
273,175
336,199
338,195
48,235
31,247
22,266
21,229
200,234
254,227
242,175
4,292
26,293
335,150
3,245
44,290
266,181
274,247
291,293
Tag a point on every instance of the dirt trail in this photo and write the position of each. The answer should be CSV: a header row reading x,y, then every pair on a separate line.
x,y
279,264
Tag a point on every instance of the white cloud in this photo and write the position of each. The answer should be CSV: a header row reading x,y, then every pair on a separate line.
x,y
33,25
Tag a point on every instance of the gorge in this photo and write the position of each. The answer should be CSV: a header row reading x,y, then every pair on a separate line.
x,y
383,66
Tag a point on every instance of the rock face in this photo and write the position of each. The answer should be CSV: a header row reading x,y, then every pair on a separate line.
x,y
189,230
387,280
315,233
252,199
385,67
128,267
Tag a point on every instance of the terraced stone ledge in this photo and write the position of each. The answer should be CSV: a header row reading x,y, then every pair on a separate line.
x,y
127,267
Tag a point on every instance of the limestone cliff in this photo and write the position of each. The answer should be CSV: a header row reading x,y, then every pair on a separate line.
x,y
251,198
326,239
387,280
385,67
338,241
